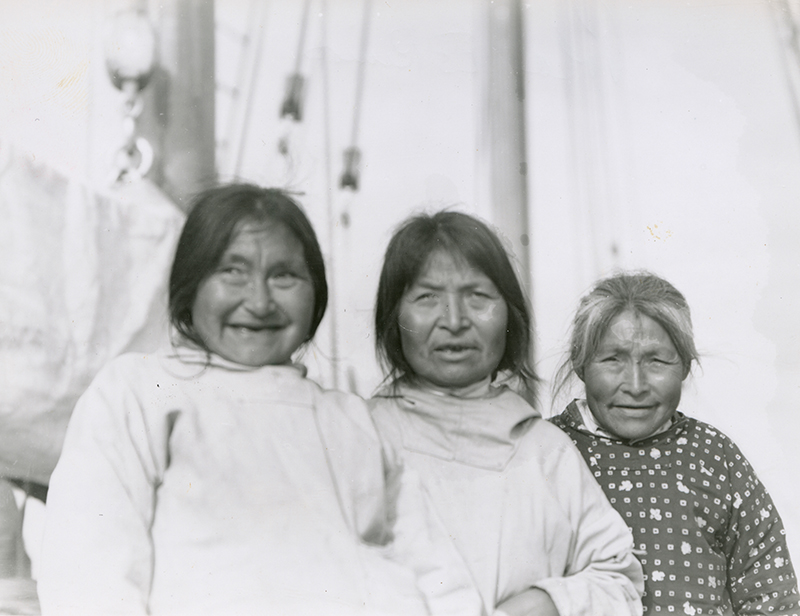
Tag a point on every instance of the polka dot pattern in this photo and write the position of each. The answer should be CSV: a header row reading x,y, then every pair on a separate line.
x,y
706,531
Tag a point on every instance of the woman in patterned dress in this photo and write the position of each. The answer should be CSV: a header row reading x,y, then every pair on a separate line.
x,y
708,535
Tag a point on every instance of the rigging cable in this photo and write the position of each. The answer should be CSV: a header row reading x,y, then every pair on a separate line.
x,y
295,84
246,92
332,303
352,155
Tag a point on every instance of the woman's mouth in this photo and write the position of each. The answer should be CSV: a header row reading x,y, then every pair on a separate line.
x,y
255,329
635,408
454,350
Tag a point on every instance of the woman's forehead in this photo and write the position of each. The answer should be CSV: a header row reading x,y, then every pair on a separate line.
x,y
443,263
632,327
255,226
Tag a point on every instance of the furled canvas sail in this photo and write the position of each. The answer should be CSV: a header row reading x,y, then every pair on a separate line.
x,y
82,278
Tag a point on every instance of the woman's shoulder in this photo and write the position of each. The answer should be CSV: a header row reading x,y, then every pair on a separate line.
x,y
127,366
546,438
547,446
339,406
700,429
345,400
709,440
383,404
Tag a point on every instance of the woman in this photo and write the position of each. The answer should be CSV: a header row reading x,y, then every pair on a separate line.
x,y
213,478
710,538
453,330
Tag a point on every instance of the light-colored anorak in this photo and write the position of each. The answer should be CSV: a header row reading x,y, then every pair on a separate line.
x,y
516,498
192,485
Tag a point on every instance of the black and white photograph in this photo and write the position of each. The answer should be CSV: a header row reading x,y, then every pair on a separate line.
x,y
399,307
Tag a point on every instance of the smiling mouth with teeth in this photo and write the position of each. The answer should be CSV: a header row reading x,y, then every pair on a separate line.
x,y
257,328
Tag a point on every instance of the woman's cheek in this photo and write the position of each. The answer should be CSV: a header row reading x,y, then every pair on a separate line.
x,y
489,313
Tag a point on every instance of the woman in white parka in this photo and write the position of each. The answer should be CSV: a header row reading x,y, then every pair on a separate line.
x,y
213,478
453,330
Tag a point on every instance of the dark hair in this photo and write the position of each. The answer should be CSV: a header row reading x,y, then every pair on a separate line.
x,y
641,292
465,236
215,217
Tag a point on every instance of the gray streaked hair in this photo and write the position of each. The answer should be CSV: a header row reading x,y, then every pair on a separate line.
x,y
641,292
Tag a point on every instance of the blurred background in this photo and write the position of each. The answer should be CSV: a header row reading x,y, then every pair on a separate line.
x,y
594,134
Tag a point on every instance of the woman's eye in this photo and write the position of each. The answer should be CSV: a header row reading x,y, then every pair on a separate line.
x,y
479,300
662,361
233,273
284,280
425,297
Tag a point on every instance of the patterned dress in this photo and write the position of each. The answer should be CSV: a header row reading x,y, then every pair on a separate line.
x,y
709,538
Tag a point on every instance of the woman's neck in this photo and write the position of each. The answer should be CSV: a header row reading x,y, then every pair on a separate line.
x,y
479,389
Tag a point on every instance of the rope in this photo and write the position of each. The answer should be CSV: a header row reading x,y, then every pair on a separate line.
x,y
301,42
248,94
362,64
332,317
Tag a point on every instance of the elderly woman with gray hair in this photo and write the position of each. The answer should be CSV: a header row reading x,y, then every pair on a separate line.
x,y
709,537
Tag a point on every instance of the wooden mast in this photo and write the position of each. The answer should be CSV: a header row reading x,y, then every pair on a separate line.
x,y
504,98
179,103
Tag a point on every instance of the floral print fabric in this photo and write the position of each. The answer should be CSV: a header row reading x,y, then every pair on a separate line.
x,y
706,531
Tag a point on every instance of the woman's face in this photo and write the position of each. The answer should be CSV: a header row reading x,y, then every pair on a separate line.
x,y
452,323
633,383
256,306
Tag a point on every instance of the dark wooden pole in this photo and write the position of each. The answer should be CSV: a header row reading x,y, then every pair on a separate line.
x,y
505,106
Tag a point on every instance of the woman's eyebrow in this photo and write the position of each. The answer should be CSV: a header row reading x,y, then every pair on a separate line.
x,y
433,286
427,284
234,257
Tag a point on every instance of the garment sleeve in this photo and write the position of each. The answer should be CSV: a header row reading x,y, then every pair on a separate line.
x,y
421,542
97,554
603,577
419,538
761,578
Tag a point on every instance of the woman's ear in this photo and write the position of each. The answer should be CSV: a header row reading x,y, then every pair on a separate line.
x,y
578,372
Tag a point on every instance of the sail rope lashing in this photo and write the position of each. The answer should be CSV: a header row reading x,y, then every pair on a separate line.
x,y
352,155
293,99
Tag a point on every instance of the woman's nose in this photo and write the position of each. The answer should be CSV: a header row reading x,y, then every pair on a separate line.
x,y
455,316
258,298
635,379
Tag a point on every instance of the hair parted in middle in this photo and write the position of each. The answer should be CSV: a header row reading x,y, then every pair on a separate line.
x,y
466,237
216,216
642,293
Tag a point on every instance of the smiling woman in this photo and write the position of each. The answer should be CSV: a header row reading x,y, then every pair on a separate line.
x,y
633,383
710,539
453,330
256,307
213,478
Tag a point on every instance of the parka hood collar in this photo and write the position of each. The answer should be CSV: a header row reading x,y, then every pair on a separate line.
x,y
482,432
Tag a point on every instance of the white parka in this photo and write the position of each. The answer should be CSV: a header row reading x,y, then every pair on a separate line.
x,y
516,498
192,485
